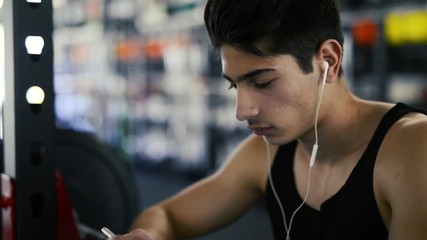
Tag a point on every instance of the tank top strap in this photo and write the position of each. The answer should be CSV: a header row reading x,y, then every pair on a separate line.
x,y
391,117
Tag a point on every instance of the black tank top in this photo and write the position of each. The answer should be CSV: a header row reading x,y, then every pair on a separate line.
x,y
351,213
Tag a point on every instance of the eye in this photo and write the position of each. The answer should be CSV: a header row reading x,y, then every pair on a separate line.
x,y
262,85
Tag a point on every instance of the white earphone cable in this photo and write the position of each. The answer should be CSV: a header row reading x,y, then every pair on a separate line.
x,y
311,164
273,189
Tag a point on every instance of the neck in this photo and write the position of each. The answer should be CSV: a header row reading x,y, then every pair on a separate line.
x,y
337,125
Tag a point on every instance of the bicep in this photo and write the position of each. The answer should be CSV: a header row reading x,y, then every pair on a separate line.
x,y
220,198
409,198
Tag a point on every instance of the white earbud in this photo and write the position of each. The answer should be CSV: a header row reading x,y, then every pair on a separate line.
x,y
325,64
325,71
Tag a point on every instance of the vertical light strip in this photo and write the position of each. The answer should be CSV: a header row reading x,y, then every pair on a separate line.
x,y
2,78
9,99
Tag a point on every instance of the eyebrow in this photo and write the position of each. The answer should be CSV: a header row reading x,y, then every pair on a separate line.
x,y
249,75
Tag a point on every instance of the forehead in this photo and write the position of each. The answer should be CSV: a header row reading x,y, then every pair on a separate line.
x,y
236,62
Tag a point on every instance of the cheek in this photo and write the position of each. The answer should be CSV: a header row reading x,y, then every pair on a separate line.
x,y
284,98
291,106
279,106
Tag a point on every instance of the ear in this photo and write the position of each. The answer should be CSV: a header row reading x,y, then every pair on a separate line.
x,y
330,51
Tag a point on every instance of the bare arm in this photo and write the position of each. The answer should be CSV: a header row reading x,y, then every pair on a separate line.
x,y
406,182
212,202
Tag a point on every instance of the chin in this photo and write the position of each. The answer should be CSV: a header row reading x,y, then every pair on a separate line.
x,y
276,140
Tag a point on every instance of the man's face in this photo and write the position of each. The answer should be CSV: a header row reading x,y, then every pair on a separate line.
x,y
273,95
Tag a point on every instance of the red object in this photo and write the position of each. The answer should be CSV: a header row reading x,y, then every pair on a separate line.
x,y
66,223
364,32
7,205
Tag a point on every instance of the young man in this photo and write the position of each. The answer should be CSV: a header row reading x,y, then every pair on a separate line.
x,y
366,177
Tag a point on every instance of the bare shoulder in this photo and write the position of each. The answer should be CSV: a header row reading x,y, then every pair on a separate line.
x,y
249,162
405,145
401,175
408,136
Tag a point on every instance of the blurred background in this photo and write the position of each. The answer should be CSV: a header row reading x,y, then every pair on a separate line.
x,y
140,74
141,77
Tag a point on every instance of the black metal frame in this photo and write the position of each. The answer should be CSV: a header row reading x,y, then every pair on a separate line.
x,y
29,128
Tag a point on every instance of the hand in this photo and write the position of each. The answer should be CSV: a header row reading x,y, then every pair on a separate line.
x,y
137,234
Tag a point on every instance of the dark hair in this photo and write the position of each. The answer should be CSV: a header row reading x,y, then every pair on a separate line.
x,y
295,27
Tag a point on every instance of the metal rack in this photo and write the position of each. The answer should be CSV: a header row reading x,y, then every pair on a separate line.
x,y
29,117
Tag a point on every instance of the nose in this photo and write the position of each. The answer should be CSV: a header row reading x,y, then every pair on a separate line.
x,y
245,106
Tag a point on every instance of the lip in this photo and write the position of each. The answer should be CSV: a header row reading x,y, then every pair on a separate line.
x,y
261,131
